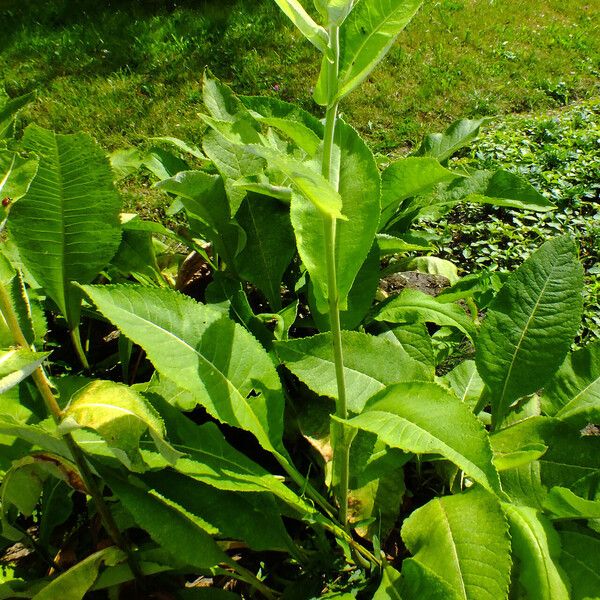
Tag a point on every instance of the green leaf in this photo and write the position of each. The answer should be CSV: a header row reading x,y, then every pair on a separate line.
x,y
531,324
419,582
270,245
16,365
389,587
412,306
16,174
356,177
389,244
536,545
249,517
432,265
442,146
75,583
120,415
55,508
410,177
580,558
367,35
304,137
178,531
366,370
9,111
38,435
314,33
464,540
465,382
415,340
67,226
573,394
426,418
206,353
562,503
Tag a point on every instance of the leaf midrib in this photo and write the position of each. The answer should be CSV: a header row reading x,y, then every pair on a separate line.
x,y
446,521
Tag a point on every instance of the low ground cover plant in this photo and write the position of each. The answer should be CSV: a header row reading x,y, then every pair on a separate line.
x,y
259,415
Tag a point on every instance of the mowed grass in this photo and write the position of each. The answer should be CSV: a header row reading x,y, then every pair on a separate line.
x,y
124,70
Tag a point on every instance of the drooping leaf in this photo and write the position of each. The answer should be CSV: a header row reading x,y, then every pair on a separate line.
x,y
120,415
269,247
562,503
16,365
413,306
536,314
75,583
370,365
424,417
464,540
16,174
536,545
580,558
205,352
465,382
356,177
573,393
366,36
179,532
67,226
409,177
38,435
314,33
442,146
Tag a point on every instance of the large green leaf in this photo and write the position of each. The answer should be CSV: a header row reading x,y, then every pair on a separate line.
x,y
366,36
205,352
370,365
580,558
16,365
465,382
536,545
419,581
314,33
414,338
16,174
67,226
442,146
409,177
356,177
531,324
464,540
573,393
270,245
426,418
179,532
75,583
413,306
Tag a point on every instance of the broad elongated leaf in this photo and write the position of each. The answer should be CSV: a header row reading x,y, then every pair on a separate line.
x,y
536,545
67,226
465,382
389,244
179,532
16,174
531,324
366,36
314,33
464,540
269,247
442,146
37,435
205,352
370,365
410,177
120,415
573,394
415,340
562,503
75,583
412,306
16,365
580,558
356,177
426,418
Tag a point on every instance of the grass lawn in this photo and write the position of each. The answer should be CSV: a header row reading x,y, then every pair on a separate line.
x,y
127,69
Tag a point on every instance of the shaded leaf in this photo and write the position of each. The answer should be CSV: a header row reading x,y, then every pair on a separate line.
x,y
580,558
562,503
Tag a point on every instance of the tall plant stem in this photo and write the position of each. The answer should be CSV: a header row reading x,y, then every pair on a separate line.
x,y
43,385
341,457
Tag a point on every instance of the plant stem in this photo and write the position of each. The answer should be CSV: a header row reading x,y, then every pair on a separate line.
x,y
76,339
43,386
248,577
